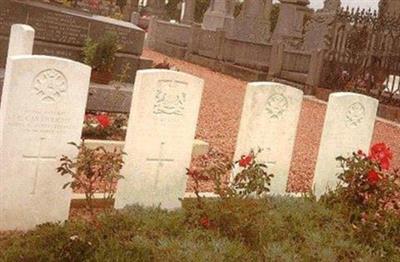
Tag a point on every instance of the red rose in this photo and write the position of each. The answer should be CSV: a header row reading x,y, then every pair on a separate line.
x,y
245,160
205,222
381,154
103,120
373,177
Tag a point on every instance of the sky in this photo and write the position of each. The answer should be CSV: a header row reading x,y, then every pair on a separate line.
x,y
316,4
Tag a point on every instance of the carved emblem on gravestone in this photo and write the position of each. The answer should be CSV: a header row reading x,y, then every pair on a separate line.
x,y
276,105
50,85
355,115
170,99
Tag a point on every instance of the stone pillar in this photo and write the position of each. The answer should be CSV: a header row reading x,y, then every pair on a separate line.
x,y
253,23
289,28
188,11
219,15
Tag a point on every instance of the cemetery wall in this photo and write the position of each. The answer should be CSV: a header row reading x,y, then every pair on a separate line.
x,y
62,32
217,50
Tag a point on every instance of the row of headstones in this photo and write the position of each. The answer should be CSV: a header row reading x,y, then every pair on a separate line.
x,y
43,106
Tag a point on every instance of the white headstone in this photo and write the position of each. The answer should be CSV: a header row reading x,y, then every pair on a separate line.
x,y
159,138
269,121
348,127
42,110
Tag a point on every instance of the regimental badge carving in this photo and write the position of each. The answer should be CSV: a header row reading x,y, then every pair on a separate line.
x,y
170,98
276,105
355,115
50,85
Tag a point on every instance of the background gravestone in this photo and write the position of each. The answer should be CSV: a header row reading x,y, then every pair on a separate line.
x,y
219,15
159,138
269,121
320,26
253,23
42,110
62,32
348,127
289,27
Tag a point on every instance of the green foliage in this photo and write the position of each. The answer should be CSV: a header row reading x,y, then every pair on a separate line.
x,y
276,229
92,168
100,55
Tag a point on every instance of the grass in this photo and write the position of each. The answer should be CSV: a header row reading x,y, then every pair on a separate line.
x,y
279,229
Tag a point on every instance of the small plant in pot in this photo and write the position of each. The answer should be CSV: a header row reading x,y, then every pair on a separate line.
x,y
100,55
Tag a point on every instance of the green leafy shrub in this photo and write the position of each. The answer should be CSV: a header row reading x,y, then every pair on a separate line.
x,y
93,168
280,229
100,55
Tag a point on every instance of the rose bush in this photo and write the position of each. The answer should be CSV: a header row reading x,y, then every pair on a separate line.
x,y
369,195
105,126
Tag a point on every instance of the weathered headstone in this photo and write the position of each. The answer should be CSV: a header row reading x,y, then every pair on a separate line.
x,y
159,138
253,23
289,27
348,127
62,32
269,122
42,110
320,26
219,15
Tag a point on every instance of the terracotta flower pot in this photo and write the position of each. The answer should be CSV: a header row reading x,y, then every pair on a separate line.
x,y
101,77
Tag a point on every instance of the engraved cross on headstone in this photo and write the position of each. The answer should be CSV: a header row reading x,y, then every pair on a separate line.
x,y
160,162
38,158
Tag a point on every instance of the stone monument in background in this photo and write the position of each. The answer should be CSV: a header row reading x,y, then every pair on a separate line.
x,y
290,25
62,32
219,15
253,23
318,29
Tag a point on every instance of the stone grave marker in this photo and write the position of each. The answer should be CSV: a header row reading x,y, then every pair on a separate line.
x,y
160,136
43,106
253,23
269,121
348,127
219,15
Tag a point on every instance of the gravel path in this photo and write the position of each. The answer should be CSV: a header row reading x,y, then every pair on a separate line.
x,y
220,115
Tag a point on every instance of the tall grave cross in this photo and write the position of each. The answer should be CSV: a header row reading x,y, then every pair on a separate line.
x,y
160,162
38,158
